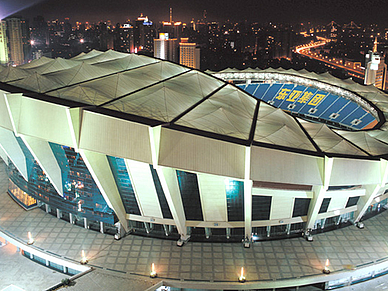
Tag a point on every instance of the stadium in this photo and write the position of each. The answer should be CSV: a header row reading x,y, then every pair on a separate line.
x,y
124,143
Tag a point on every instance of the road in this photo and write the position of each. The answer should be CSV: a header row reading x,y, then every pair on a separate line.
x,y
305,50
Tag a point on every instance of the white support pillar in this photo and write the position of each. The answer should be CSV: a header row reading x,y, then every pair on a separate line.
x,y
170,186
14,108
365,201
247,198
169,182
42,153
3,155
74,118
371,191
11,147
99,168
319,193
71,218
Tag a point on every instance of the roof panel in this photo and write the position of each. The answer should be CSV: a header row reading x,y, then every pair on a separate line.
x,y
163,101
363,140
36,83
229,111
328,141
104,57
276,127
85,56
130,61
13,73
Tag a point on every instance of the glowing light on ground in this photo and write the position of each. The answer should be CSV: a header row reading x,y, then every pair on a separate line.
x,y
153,273
242,279
30,238
84,260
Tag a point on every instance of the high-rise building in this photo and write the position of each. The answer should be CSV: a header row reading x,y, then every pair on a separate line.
x,y
166,48
375,68
3,43
144,34
189,54
15,41
173,28
26,40
123,38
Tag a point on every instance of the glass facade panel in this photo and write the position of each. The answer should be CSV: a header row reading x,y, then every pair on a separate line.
x,y
297,227
21,197
259,233
188,185
124,185
81,195
331,221
235,199
279,230
56,266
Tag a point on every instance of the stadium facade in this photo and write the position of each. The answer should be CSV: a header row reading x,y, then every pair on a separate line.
x,y
121,142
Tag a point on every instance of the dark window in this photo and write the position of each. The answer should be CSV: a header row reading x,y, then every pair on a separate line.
x,y
161,197
301,207
188,185
334,188
261,207
124,185
352,201
324,205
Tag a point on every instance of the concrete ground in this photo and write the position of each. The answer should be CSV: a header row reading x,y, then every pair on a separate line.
x,y
125,264
17,270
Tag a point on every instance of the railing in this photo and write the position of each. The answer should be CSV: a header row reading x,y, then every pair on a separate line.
x,y
336,279
43,257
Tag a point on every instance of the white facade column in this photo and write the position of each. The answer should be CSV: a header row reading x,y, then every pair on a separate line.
x,y
169,182
319,192
74,118
145,192
71,218
247,197
3,155
42,153
365,201
102,227
11,147
100,170
371,192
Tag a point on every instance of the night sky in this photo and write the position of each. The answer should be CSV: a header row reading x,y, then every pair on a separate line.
x,y
277,11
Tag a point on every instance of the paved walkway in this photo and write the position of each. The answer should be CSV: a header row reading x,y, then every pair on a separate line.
x,y
198,261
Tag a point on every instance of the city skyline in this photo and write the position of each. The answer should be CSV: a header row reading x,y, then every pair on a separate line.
x,y
279,11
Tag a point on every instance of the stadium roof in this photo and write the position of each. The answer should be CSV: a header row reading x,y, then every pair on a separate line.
x,y
157,92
